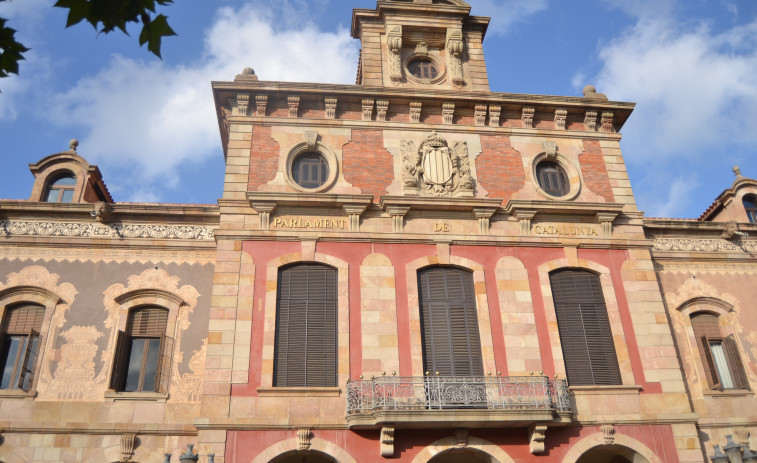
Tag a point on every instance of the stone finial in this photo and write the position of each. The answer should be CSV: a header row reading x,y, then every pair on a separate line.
x,y
736,171
73,144
591,92
247,74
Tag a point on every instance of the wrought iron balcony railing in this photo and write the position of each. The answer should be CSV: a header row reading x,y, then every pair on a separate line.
x,y
408,393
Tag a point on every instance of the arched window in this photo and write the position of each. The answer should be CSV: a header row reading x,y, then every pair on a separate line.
x,y
720,354
306,336
61,189
19,345
449,322
750,206
585,334
552,178
143,353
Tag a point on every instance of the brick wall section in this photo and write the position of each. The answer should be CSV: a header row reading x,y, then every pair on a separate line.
x,y
264,158
594,171
499,167
367,149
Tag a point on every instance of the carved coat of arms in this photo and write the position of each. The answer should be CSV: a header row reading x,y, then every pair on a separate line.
x,y
435,169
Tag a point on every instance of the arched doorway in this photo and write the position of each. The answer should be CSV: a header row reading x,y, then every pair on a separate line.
x,y
462,456
611,454
303,456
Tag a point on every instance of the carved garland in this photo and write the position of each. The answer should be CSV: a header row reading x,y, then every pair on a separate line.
x,y
705,245
99,230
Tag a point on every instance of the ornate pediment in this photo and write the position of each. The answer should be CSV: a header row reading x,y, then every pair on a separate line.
x,y
436,169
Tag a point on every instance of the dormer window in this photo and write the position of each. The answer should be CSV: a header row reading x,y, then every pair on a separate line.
x,y
61,189
750,206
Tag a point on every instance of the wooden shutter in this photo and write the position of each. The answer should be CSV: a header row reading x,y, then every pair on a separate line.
x,y
163,381
306,336
736,367
706,328
120,358
148,321
26,377
710,370
22,319
584,326
449,322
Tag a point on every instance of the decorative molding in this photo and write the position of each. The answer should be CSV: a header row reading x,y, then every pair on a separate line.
x,y
455,47
694,288
537,434
484,219
261,101
330,104
304,437
590,121
243,101
524,217
479,115
741,435
398,217
550,149
527,116
188,387
463,437
448,112
387,441
293,101
382,106
91,230
74,377
367,104
494,113
703,245
561,115
108,254
607,122
394,44
39,277
608,432
264,209
605,219
311,139
415,110
128,444
354,212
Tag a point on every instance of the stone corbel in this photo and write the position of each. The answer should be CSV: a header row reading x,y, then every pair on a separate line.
x,y
448,112
303,438
330,103
455,46
387,441
561,115
354,212
128,444
367,109
415,110
607,122
479,115
590,121
537,434
524,217
608,433
102,212
243,101
398,217
394,45
382,106
261,101
264,209
311,139
294,105
527,117
605,219
494,112
462,436
550,149
484,217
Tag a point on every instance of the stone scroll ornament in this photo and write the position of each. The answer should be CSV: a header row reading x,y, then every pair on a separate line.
x,y
435,169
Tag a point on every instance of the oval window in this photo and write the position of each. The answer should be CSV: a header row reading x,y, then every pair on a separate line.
x,y
310,170
552,178
423,68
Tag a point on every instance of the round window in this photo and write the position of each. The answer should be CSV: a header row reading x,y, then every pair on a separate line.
x,y
310,170
552,178
423,68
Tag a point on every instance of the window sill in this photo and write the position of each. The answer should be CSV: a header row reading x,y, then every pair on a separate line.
x,y
728,393
144,396
299,391
17,394
606,390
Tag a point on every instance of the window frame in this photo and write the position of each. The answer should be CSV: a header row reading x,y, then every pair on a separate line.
x,y
707,333
572,176
329,158
751,208
51,187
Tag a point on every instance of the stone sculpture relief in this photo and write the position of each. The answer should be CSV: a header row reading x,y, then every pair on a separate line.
x,y
435,169
188,387
74,378
101,230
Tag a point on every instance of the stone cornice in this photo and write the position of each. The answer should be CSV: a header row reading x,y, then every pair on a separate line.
x,y
514,206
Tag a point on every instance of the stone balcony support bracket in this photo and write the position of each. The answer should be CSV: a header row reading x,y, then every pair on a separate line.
x,y
387,441
537,434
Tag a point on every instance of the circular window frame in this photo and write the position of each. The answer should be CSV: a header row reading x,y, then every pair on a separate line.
x,y
327,154
440,67
574,176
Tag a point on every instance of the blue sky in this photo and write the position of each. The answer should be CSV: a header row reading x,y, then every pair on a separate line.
x,y
690,65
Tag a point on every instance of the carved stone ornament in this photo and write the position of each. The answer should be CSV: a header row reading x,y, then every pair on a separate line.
x,y
387,441
367,105
448,112
455,47
293,101
330,104
91,230
243,101
102,211
527,116
494,113
303,438
590,121
382,106
537,436
435,169
415,110
704,245
461,434
479,115
607,122
128,443
394,44
550,149
311,139
608,433
261,101
561,115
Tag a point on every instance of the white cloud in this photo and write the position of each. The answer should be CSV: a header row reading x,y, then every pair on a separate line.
x,y
678,197
153,117
505,13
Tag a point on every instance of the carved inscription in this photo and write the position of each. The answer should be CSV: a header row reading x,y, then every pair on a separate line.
x,y
441,227
305,222
565,230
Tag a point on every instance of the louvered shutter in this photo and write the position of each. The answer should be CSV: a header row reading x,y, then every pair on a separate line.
x,y
164,365
23,319
449,322
710,370
584,327
736,367
306,336
148,321
26,377
706,327
121,356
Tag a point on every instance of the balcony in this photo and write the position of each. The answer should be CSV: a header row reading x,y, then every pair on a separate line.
x,y
457,401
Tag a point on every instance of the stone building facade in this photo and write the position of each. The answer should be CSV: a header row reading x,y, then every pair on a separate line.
x,y
412,268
